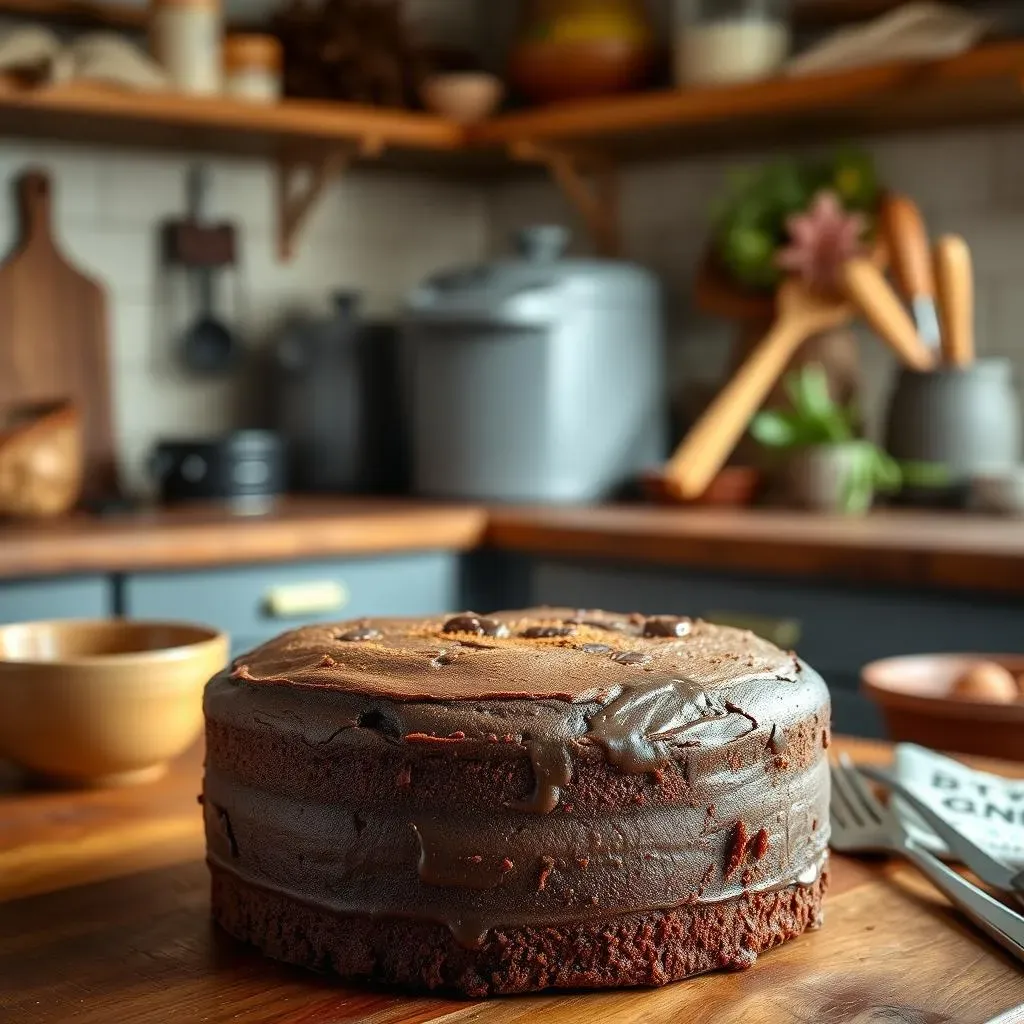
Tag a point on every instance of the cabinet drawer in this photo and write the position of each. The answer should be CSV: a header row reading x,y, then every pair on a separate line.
x,y
83,597
258,602
841,628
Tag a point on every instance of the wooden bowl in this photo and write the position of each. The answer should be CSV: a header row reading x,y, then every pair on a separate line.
x,y
553,72
734,487
914,695
106,702
41,460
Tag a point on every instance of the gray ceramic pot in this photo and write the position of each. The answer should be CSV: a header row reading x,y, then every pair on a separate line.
x,y
817,478
967,419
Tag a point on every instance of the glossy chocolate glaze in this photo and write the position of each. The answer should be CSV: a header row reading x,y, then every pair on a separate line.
x,y
444,771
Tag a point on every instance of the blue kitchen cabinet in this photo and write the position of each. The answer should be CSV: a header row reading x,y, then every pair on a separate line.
x,y
81,597
254,603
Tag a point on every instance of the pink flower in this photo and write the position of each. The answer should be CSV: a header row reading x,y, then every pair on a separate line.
x,y
824,237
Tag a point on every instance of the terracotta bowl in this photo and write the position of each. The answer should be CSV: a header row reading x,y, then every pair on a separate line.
x,y
552,72
914,695
41,459
103,703
733,487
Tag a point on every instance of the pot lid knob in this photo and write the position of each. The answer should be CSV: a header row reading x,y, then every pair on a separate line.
x,y
542,242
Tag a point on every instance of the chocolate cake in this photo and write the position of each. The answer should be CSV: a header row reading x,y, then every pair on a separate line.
x,y
506,803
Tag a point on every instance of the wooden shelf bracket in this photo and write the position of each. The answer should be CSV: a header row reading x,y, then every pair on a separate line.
x,y
590,181
301,183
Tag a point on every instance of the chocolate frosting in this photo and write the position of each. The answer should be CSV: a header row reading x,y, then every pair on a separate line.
x,y
584,765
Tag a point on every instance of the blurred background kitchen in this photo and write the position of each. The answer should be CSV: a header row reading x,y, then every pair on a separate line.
x,y
365,307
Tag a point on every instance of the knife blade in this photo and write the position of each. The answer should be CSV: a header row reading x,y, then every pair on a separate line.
x,y
982,863
910,253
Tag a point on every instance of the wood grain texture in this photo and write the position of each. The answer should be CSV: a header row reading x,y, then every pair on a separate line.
x,y
948,550
974,86
94,113
916,549
977,87
203,535
136,945
53,333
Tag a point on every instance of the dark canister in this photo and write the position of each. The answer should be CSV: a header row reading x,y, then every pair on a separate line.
x,y
245,468
334,395
965,418
319,398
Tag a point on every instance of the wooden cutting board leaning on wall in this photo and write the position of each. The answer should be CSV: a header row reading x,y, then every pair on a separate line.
x,y
53,333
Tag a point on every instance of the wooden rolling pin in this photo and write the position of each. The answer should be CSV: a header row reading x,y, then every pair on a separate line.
x,y
954,274
873,296
800,313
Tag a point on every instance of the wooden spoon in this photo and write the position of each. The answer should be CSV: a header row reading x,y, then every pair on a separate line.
x,y
954,275
912,268
800,313
872,294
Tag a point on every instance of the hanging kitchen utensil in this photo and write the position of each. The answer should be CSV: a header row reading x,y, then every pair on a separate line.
x,y
954,272
208,347
878,303
53,334
800,313
904,230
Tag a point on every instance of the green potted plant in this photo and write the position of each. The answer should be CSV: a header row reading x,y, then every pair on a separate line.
x,y
829,467
788,216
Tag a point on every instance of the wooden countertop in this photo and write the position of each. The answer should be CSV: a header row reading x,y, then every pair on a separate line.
x,y
917,549
104,915
926,549
203,535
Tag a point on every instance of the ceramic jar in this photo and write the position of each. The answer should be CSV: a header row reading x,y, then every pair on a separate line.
x,y
721,41
186,42
253,67
967,419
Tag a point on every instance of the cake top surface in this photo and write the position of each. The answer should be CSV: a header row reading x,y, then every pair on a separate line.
x,y
573,655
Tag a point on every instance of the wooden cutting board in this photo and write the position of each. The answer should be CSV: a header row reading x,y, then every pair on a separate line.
x,y
141,949
53,332
133,946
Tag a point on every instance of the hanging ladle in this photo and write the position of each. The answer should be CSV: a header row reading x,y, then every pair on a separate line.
x,y
208,347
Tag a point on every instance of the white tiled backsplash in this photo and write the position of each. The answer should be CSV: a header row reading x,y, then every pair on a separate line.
x,y
380,233
373,232
970,182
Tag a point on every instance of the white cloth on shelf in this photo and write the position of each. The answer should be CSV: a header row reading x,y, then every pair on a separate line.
x,y
915,31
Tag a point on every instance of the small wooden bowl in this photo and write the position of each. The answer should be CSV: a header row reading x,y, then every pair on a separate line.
x,y
103,703
914,694
41,460
464,96
734,487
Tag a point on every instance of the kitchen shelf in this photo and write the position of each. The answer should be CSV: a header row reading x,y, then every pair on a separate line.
x,y
311,142
581,145
986,84
983,85
90,113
